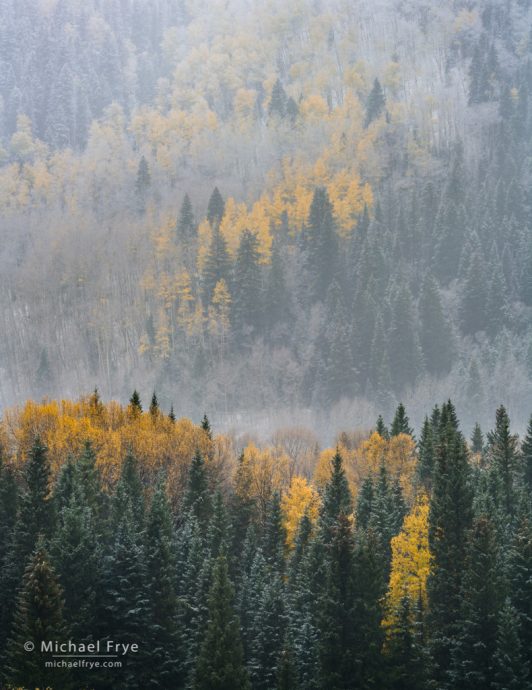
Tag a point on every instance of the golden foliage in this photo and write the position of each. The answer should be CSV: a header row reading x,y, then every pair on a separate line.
x,y
300,498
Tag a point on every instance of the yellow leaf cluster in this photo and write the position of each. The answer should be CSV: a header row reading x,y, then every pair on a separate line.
x,y
300,498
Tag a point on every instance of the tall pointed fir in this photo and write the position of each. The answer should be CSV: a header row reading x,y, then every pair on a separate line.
x,y
38,618
247,286
186,224
336,496
375,103
322,244
526,459
450,519
197,496
435,335
217,265
220,664
403,344
401,423
502,457
215,208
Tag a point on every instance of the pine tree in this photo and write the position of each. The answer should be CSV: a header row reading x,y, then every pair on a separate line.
x,y
511,667
276,294
218,535
217,265
336,616
477,439
129,494
186,224
475,643
405,662
375,103
274,534
435,335
8,508
216,208
381,428
336,496
220,664
135,405
162,593
278,101
502,457
206,426
197,497
450,518
425,466
364,507
246,285
171,414
287,676
38,618
400,423
142,183
322,243
154,407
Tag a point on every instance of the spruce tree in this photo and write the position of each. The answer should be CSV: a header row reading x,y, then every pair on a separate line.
x,y
502,456
186,225
403,344
217,265
154,406
216,208
38,618
246,285
322,244
278,101
477,439
135,405
197,496
511,666
206,426
336,496
450,518
381,428
220,664
425,466
473,315
401,423
274,534
375,103
171,414
404,655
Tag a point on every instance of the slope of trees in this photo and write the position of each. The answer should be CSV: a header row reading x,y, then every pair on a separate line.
x,y
251,579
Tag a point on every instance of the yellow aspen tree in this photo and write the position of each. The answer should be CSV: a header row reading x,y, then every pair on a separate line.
x,y
410,560
301,497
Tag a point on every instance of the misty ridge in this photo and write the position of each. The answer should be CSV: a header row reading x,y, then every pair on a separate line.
x,y
279,213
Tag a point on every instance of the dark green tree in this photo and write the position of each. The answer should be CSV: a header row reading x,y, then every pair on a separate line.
x,y
511,666
401,423
215,208
403,344
197,496
336,496
375,103
322,243
278,101
217,264
186,224
435,332
220,664
502,456
247,285
477,439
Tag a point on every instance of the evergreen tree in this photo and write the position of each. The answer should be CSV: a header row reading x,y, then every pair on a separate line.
x,y
278,101
38,618
474,296
477,439
450,518
274,534
425,466
401,423
502,456
154,406
171,414
475,641
381,428
246,285
287,676
375,103
206,426
216,208
276,294
129,494
8,508
405,661
197,496
267,635
142,183
135,405
322,243
336,496
186,224
162,593
217,264
511,667
220,663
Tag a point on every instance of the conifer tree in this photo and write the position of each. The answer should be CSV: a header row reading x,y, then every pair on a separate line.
x,y
274,534
186,225
287,676
220,663
381,428
450,518
246,284
38,618
401,423
129,494
404,655
135,405
474,296
336,496
216,208
276,294
322,243
154,406
197,497
425,466
477,439
162,592
267,635
217,265
375,103
511,666
403,344
502,456
171,414
278,101
206,426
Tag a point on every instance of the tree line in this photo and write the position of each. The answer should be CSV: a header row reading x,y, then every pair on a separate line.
x,y
387,588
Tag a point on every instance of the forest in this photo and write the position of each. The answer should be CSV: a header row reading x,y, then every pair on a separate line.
x,y
308,210
392,560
